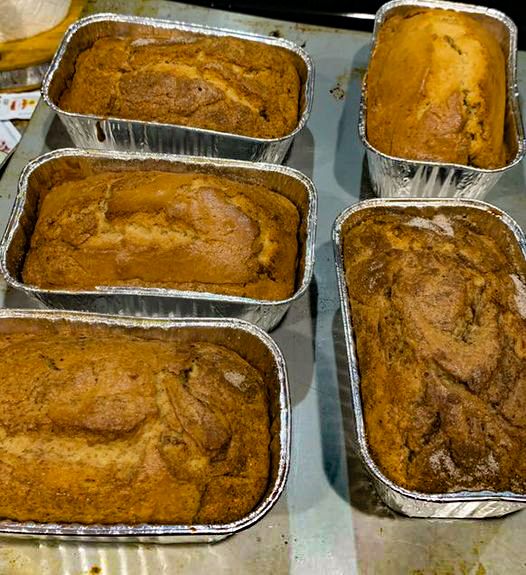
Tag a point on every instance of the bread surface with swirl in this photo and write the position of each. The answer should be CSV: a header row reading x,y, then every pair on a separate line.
x,y
215,82
438,299
436,89
188,231
106,427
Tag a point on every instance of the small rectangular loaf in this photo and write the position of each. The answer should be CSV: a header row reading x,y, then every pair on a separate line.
x,y
438,300
215,82
186,231
436,89
102,426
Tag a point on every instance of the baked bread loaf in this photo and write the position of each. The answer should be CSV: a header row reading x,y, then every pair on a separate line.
x,y
218,83
438,299
436,89
106,427
188,231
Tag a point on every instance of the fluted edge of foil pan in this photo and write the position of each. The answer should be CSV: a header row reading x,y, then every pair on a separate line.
x,y
398,177
242,337
454,505
158,301
30,77
97,132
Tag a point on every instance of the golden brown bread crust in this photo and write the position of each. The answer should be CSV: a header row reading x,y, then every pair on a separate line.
x,y
157,229
436,90
113,428
439,312
218,83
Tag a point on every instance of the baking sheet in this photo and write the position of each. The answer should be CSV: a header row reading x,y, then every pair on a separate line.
x,y
331,520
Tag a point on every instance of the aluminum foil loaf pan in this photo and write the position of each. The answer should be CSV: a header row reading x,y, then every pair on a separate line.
x,y
89,131
399,177
53,167
462,504
248,341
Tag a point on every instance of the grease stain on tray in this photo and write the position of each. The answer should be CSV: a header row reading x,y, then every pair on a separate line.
x,y
337,92
15,562
357,74
345,78
278,33
95,570
461,569
141,8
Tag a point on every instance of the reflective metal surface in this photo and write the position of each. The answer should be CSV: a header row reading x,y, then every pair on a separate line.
x,y
23,77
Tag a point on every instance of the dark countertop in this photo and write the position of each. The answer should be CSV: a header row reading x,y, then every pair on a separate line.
x,y
339,13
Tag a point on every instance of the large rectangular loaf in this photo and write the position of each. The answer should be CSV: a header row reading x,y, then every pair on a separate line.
x,y
438,305
215,82
185,231
436,89
108,426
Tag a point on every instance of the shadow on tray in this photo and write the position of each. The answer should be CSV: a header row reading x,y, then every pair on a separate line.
x,y
295,336
361,492
57,136
350,164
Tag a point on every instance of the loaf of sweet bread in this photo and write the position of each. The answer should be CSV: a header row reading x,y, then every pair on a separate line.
x,y
108,427
214,82
185,231
436,89
438,300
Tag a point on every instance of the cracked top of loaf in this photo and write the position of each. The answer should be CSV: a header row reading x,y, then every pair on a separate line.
x,y
190,231
108,428
438,299
436,89
218,83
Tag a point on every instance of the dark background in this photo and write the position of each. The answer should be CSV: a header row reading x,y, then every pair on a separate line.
x,y
342,14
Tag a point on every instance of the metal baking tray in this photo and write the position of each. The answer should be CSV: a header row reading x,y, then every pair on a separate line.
x,y
26,78
251,343
397,177
41,173
462,504
89,131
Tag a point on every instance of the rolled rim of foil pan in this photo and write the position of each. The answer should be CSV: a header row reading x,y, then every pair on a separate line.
x,y
352,361
512,91
307,85
176,532
303,282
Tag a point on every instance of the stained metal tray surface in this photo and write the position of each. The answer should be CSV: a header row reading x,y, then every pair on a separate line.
x,y
329,519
